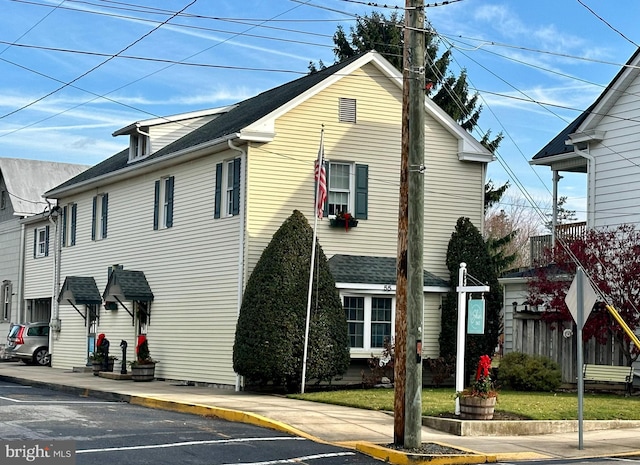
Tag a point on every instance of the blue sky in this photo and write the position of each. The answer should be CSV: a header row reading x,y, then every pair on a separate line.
x,y
536,66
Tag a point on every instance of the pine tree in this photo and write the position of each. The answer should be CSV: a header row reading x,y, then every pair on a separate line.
x,y
269,340
466,245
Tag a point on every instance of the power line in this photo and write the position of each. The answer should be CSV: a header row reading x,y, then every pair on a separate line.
x,y
67,84
607,23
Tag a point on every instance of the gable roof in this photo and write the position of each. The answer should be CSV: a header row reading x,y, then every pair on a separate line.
x,y
80,290
592,115
254,119
373,270
26,180
127,285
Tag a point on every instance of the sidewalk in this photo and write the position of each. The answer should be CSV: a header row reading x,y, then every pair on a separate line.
x,y
361,429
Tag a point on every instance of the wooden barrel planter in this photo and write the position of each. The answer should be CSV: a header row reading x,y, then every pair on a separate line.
x,y
477,408
97,367
143,372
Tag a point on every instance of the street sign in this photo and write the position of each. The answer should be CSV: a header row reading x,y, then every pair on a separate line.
x,y
589,298
475,321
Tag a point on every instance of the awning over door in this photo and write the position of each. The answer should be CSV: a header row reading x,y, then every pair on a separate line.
x,y
80,290
127,285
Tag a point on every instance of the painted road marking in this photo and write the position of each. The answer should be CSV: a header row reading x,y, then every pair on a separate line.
x,y
298,459
18,401
188,443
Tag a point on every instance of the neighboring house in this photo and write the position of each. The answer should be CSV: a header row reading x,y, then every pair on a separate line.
x,y
167,232
22,183
604,143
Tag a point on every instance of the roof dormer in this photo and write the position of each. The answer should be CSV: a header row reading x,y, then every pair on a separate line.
x,y
139,145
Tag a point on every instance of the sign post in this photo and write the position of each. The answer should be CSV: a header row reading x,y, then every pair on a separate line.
x,y
580,300
462,290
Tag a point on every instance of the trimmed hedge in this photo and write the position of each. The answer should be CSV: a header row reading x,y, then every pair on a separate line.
x,y
524,372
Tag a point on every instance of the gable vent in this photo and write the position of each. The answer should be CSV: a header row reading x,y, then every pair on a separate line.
x,y
347,110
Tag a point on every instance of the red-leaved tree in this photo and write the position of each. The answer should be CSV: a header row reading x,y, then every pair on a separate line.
x,y
611,260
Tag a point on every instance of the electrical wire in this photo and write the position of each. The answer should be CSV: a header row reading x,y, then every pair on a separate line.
x,y
67,84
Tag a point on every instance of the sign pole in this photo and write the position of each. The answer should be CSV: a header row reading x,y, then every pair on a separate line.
x,y
579,324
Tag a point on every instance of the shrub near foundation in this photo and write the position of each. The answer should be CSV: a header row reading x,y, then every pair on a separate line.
x,y
523,372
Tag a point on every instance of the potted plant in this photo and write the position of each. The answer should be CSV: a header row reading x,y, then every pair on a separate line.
x,y
478,401
143,367
343,220
97,362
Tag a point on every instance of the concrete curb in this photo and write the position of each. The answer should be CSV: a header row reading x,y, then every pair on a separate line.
x,y
403,458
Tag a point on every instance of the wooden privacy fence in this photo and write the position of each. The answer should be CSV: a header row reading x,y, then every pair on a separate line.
x,y
533,336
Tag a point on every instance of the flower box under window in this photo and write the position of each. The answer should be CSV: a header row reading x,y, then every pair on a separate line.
x,y
344,220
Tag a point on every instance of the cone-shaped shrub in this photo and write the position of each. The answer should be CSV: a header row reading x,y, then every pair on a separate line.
x,y
269,341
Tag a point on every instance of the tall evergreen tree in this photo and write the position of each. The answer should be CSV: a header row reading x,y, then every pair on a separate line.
x,y
466,245
269,342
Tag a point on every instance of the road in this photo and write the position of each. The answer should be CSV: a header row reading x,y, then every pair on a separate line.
x,y
113,432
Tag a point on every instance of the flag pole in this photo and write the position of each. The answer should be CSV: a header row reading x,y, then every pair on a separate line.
x,y
317,208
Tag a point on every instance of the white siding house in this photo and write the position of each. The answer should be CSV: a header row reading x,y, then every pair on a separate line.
x,y
604,143
22,183
185,215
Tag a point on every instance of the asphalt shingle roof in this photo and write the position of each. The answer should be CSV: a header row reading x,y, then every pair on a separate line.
x,y
557,145
80,290
132,285
240,116
372,270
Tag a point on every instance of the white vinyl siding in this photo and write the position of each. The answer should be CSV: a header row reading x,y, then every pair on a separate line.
x,y
617,159
195,286
38,282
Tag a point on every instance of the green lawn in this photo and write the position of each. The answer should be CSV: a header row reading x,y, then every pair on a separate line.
x,y
533,405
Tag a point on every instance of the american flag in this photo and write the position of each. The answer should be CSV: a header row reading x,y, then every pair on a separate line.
x,y
321,180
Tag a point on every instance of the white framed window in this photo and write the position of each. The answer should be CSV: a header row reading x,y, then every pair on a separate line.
x,y
370,321
69,222
100,214
139,146
340,196
41,242
6,292
228,188
227,191
163,203
347,189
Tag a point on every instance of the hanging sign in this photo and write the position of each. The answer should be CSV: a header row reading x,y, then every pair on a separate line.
x,y
475,318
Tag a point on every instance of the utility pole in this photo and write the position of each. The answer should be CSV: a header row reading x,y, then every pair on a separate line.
x,y
399,369
414,51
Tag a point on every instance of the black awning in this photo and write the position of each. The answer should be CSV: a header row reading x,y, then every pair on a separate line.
x,y
127,285
80,290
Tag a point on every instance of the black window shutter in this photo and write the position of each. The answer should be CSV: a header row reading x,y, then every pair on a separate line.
x,y
362,191
74,220
93,218
65,221
218,196
236,187
35,243
169,219
156,205
46,241
105,210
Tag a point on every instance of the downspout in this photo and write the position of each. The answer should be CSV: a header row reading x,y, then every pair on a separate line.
x,y
241,238
554,211
57,252
591,189
21,265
